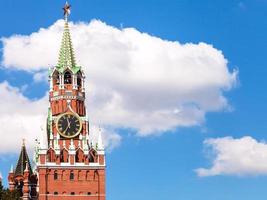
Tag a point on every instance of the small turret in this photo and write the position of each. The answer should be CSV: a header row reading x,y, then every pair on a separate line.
x,y
22,178
100,145
100,148
26,188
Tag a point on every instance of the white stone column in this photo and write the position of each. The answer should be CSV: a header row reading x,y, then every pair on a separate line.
x,y
51,83
83,84
61,81
74,82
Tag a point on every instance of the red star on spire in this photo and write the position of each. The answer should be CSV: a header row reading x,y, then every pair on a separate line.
x,y
66,9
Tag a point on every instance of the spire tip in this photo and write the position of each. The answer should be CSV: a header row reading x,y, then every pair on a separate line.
x,y
66,10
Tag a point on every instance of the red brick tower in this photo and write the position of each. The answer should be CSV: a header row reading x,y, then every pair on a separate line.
x,y
22,178
69,167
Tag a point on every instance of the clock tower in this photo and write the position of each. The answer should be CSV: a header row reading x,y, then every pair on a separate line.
x,y
69,166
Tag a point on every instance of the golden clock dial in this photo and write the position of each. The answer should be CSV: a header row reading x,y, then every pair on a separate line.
x,y
69,125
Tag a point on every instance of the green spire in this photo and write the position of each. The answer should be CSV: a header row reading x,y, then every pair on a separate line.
x,y
66,54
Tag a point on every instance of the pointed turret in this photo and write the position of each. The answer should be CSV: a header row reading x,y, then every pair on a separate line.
x,y
66,53
11,169
26,188
11,182
22,161
100,148
100,145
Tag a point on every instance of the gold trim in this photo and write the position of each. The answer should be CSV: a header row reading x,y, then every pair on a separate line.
x,y
62,134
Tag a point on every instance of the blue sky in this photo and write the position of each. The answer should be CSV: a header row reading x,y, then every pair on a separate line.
x,y
162,166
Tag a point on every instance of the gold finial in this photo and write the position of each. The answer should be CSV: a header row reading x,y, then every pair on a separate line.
x,y
66,10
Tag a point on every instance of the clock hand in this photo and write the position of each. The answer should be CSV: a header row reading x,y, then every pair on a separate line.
x,y
65,130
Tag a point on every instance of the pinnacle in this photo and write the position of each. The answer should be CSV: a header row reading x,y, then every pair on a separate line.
x,y
66,54
23,161
100,145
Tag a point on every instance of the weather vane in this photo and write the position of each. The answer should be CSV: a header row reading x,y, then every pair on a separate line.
x,y
66,10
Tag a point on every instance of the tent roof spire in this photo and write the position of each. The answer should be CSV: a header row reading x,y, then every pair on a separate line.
x,y
66,54
23,161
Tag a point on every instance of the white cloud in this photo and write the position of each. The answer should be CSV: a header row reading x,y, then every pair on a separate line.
x,y
244,156
110,138
134,80
40,76
22,118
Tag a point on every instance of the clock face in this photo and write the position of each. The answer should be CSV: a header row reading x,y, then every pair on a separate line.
x,y
69,125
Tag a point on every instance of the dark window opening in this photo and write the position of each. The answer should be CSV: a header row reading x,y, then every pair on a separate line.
x,y
67,78
55,193
79,79
55,176
64,156
71,176
72,193
88,193
56,79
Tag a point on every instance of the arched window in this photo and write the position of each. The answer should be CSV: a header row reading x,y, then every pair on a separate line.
x,y
96,175
64,157
79,79
55,175
72,193
71,175
92,156
51,157
56,78
19,187
88,193
64,175
80,175
79,156
87,175
67,78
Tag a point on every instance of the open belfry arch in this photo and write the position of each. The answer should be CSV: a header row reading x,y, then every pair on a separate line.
x,y
68,165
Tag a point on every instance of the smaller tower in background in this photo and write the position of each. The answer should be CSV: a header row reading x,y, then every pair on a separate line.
x,y
22,178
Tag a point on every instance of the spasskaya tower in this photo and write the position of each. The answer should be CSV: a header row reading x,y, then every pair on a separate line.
x,y
69,166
